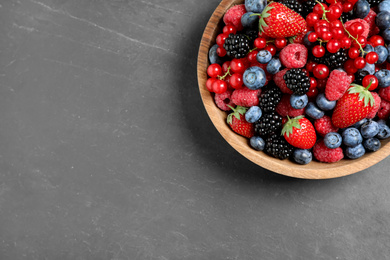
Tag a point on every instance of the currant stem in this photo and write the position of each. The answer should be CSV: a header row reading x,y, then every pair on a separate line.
x,y
355,39
224,76
324,12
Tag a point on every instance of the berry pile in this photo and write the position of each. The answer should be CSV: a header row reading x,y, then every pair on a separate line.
x,y
305,80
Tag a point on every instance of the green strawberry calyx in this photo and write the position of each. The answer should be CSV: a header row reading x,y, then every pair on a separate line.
x,y
237,112
264,14
291,123
364,94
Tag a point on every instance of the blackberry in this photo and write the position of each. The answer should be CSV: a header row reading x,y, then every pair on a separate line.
x,y
278,147
268,123
270,98
293,5
237,45
251,35
345,17
359,75
309,5
374,3
297,80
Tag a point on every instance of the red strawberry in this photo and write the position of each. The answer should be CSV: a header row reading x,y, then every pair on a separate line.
x,y
299,132
279,21
356,103
238,124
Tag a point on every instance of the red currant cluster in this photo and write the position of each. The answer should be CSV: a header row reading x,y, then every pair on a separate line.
x,y
328,29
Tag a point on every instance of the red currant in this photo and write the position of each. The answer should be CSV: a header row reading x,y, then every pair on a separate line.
x,y
318,51
353,53
219,86
336,24
310,66
333,46
376,40
214,70
313,92
229,29
346,42
260,43
238,66
370,79
311,19
313,82
221,52
220,40
209,84
347,7
280,43
321,71
225,66
359,63
252,56
356,29
312,37
372,57
349,67
338,33
334,13
236,81
319,8
361,40
326,36
271,48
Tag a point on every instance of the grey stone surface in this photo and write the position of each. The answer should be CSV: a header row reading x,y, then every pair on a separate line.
x,y
106,151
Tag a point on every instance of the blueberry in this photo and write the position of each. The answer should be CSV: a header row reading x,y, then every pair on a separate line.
x,y
256,6
372,144
274,65
361,9
352,137
384,131
313,111
383,77
355,152
249,21
254,78
368,48
360,123
302,156
384,6
263,56
388,50
370,68
253,114
369,129
298,101
257,143
386,35
213,56
323,103
383,20
382,53
333,140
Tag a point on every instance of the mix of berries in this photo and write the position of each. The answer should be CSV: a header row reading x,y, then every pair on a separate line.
x,y
305,80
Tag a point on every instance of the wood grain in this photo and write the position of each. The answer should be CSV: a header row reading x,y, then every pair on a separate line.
x,y
314,170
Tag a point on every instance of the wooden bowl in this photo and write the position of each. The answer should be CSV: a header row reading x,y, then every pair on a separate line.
x,y
313,170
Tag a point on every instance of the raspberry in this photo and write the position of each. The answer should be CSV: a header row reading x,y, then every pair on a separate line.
x,y
384,93
284,108
325,154
223,100
377,105
366,26
294,56
370,19
384,110
279,81
324,125
338,82
233,16
246,97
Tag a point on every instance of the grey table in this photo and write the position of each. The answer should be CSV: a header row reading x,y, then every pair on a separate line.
x,y
106,151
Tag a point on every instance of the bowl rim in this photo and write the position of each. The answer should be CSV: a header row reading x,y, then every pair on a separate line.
x,y
313,170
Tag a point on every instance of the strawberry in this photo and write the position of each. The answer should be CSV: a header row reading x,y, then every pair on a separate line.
x,y
279,21
236,121
355,105
299,132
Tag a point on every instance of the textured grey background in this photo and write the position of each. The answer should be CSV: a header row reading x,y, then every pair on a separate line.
x,y
106,151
